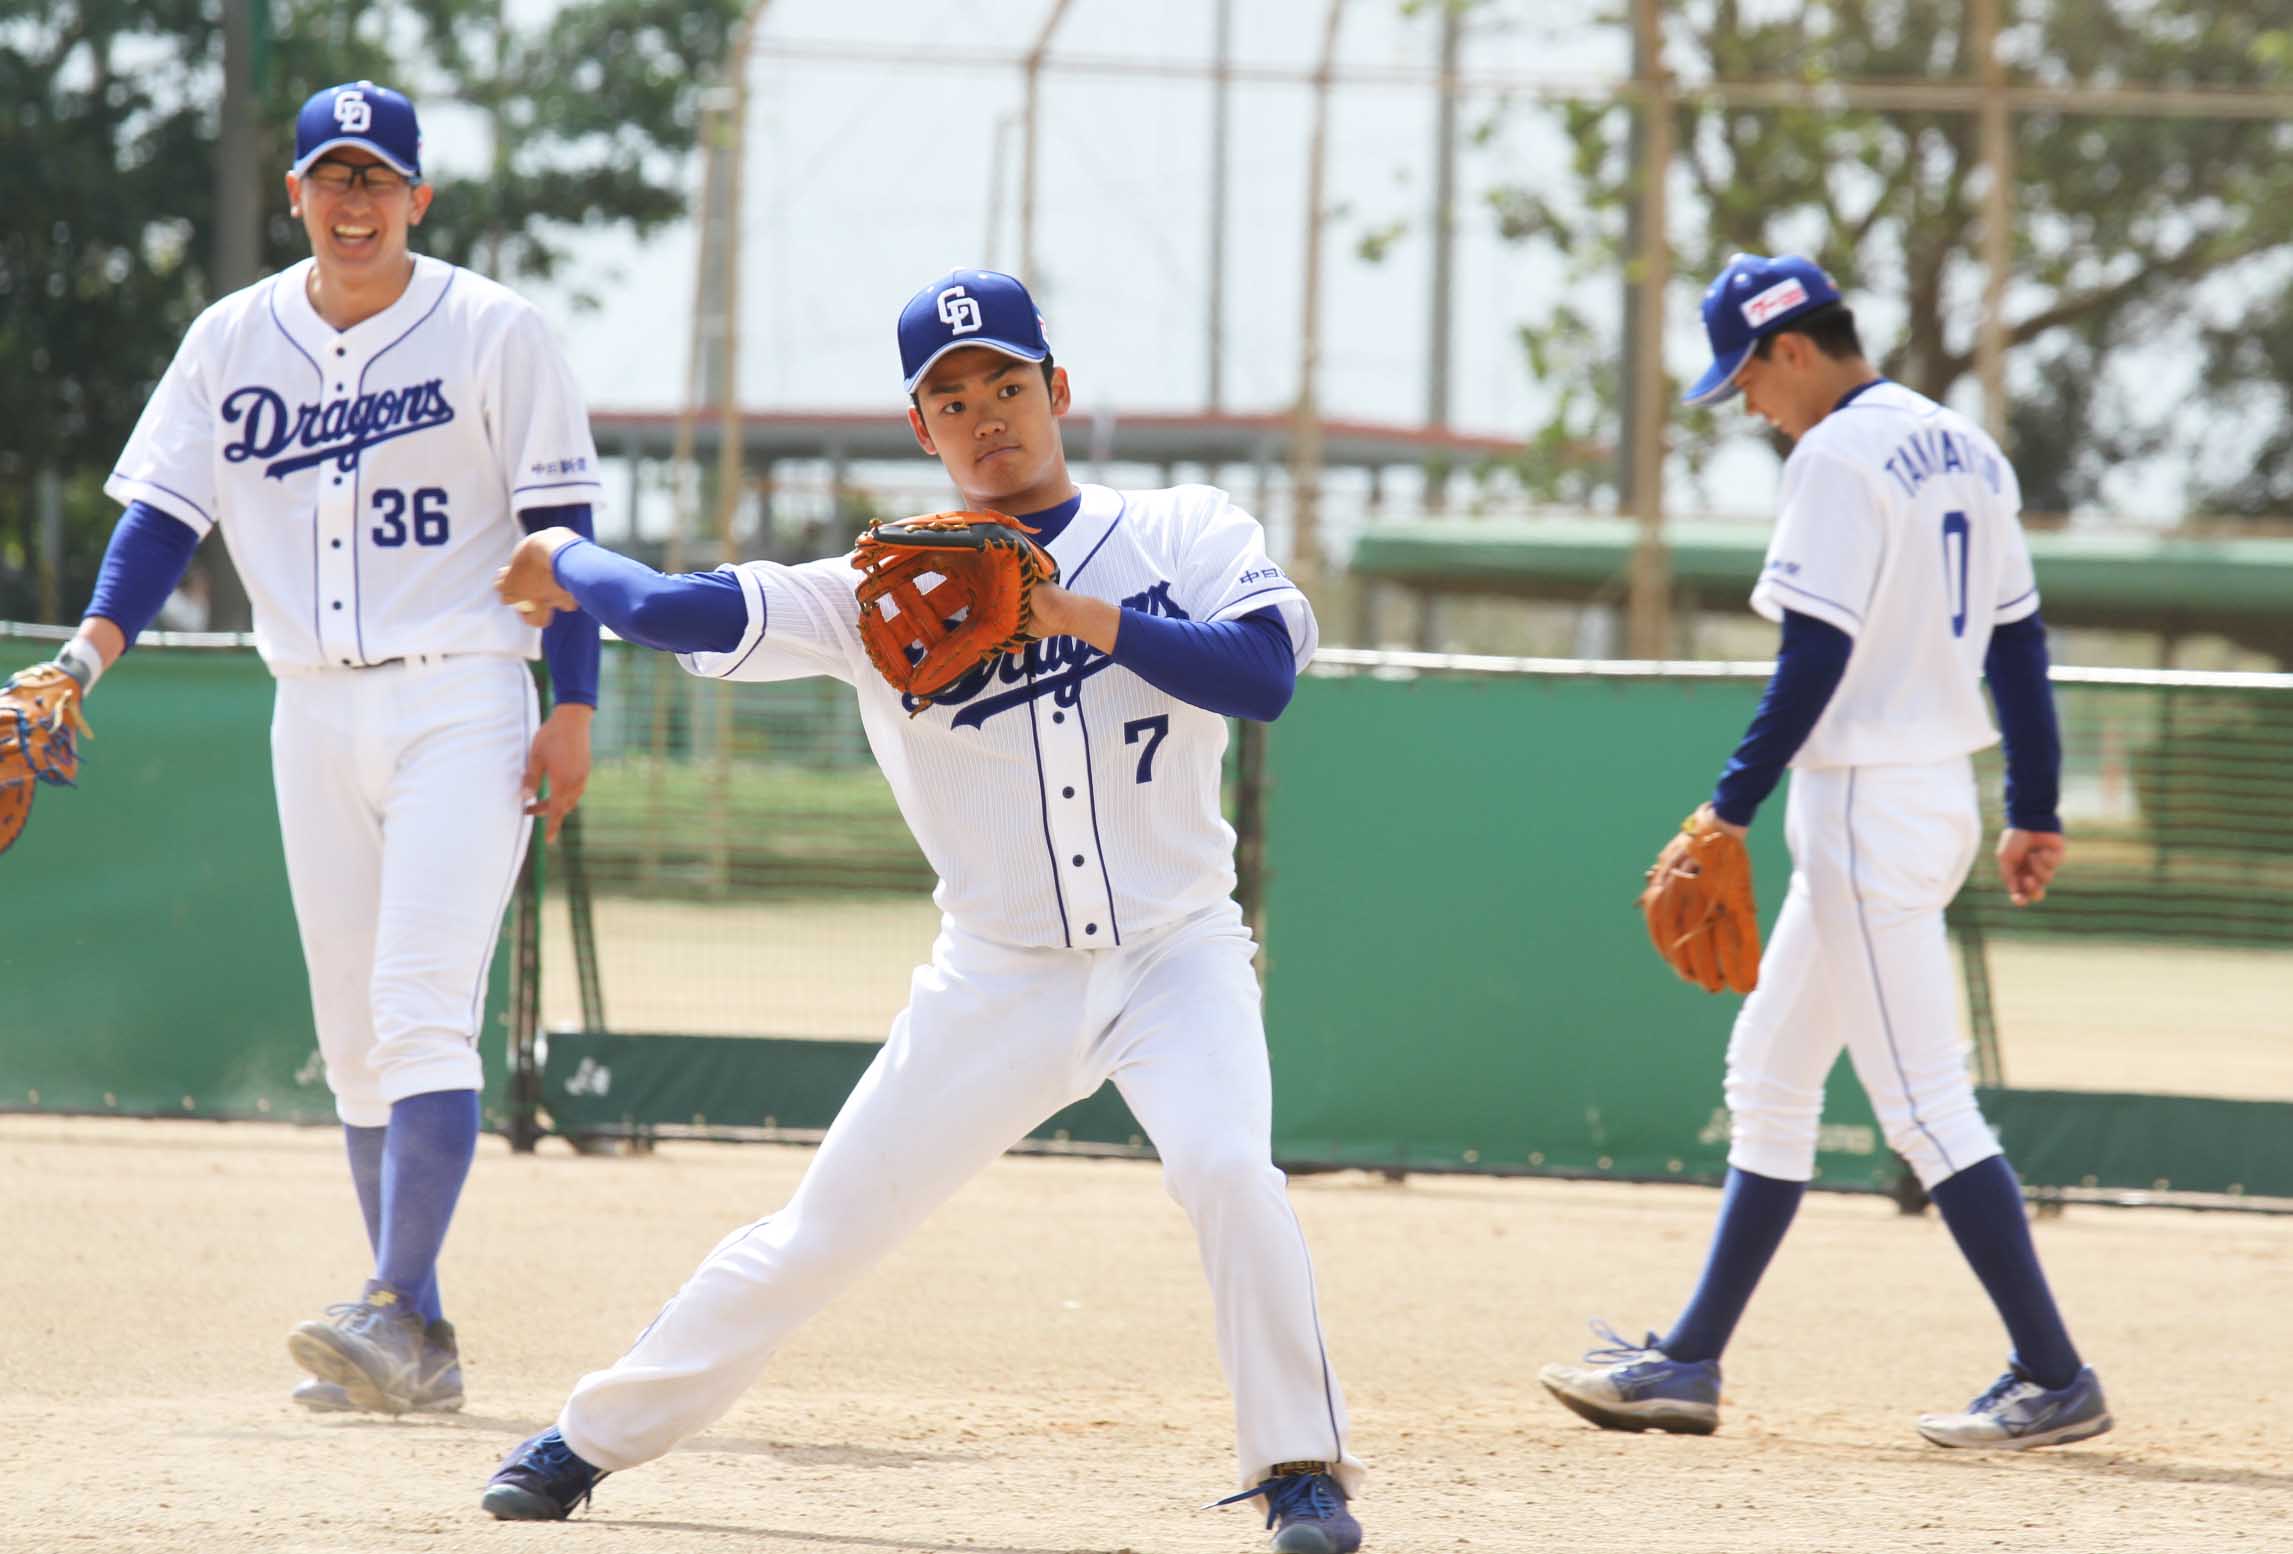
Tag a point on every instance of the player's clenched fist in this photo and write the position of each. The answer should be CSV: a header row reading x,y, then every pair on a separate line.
x,y
2026,863
529,583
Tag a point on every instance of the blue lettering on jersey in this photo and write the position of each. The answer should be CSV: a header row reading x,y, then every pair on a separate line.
x,y
337,430
1054,667
1925,455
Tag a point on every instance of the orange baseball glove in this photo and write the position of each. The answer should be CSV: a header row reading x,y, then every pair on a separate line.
x,y
1701,915
40,725
944,594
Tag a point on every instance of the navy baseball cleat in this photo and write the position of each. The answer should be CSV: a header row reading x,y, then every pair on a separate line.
x,y
1628,1386
437,1384
541,1481
2017,1414
1306,1509
371,1348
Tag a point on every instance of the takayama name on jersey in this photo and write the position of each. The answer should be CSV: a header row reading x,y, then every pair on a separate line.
x,y
337,430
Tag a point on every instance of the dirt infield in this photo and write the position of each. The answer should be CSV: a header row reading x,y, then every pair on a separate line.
x,y
1034,1373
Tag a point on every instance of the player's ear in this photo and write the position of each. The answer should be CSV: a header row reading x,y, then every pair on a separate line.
x,y
923,438
1060,398
294,197
419,204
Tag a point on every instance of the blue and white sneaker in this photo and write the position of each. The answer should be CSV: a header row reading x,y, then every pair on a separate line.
x,y
1628,1386
2017,1414
1305,1509
540,1481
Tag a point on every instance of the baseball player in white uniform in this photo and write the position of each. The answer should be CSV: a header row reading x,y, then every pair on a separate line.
x,y
368,429
1901,579
1068,798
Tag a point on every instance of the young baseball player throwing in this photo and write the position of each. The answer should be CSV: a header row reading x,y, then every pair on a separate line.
x,y
1067,795
1901,579
368,429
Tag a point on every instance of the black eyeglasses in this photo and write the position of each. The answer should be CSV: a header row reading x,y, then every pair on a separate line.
x,y
341,177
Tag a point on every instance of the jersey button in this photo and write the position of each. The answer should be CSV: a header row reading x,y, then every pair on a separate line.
x,y
340,351
1078,860
1090,928
1065,793
338,604
337,544
1058,717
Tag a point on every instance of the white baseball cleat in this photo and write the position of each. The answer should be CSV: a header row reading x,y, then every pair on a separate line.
x,y
2017,1414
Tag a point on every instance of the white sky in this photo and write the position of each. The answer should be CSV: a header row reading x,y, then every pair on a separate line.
x,y
865,180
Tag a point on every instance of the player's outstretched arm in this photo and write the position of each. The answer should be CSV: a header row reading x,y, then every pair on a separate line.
x,y
556,569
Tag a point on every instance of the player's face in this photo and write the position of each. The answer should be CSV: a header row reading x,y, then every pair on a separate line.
x,y
994,424
1782,388
359,229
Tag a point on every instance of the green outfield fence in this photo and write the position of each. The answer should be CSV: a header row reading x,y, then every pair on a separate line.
x,y
147,941
1441,854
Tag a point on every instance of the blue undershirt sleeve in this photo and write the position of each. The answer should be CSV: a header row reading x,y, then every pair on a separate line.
x,y
1808,667
143,564
2016,665
569,642
1242,668
691,612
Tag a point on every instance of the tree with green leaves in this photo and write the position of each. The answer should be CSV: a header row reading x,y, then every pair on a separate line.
x,y
107,147
2138,241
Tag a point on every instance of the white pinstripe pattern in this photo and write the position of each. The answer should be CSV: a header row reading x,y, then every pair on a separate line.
x,y
1062,800
305,538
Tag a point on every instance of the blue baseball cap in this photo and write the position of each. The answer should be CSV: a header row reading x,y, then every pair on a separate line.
x,y
1754,297
359,113
968,307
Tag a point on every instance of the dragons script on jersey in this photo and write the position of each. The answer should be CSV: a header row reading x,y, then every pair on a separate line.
x,y
1062,800
366,482
1900,525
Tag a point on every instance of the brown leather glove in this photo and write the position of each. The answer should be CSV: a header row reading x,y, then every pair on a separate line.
x,y
1701,915
40,725
945,594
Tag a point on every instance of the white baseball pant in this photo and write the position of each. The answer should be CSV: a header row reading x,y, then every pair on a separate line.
x,y
994,1040
1859,958
399,808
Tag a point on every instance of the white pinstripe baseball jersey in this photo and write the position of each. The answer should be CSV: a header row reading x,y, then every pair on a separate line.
x,y
1900,525
1062,800
366,481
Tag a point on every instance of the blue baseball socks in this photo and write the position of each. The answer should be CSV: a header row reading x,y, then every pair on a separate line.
x,y
1982,1205
1755,1211
426,1155
365,1146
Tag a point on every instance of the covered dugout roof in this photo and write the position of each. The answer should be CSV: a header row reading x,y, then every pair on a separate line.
x,y
1100,432
2240,588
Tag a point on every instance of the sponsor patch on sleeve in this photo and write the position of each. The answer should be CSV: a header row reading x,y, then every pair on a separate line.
x,y
1779,298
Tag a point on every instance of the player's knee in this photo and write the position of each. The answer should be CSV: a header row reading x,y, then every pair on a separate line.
x,y
1208,1173
1778,1146
1772,1126
1940,1145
